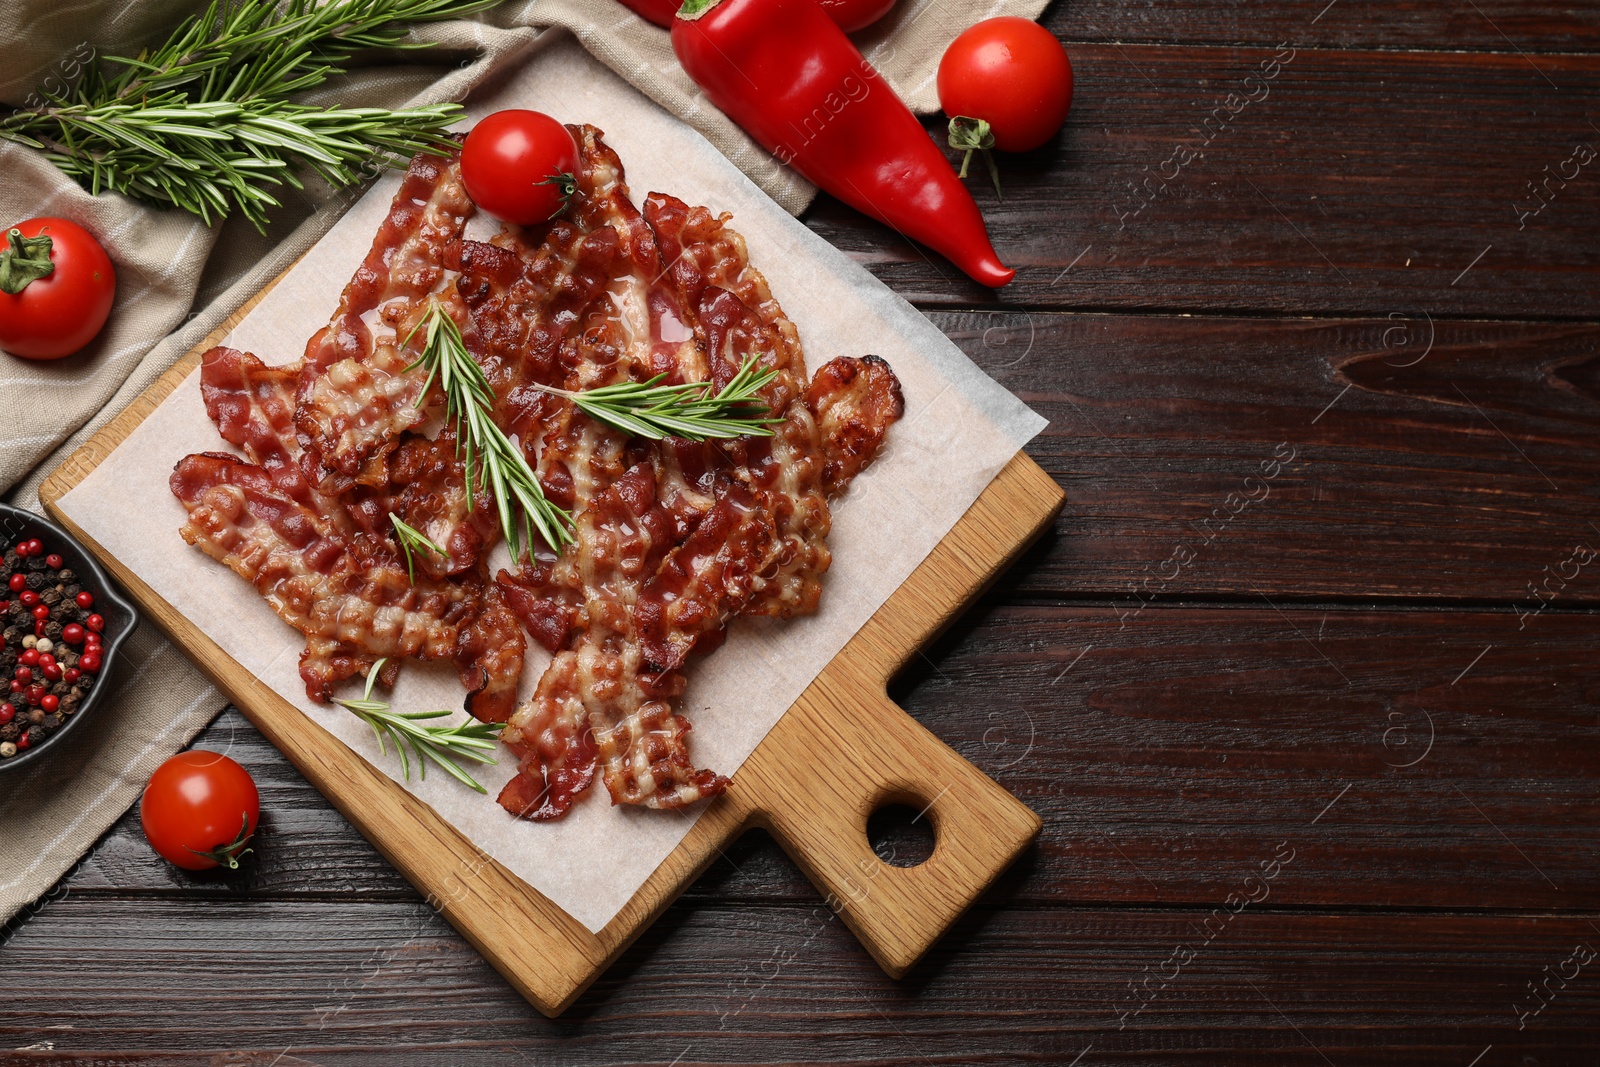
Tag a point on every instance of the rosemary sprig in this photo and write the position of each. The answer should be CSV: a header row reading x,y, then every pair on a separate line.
x,y
208,122
649,409
493,463
410,539
440,744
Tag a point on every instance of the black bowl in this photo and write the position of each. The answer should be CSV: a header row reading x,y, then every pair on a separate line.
x,y
121,618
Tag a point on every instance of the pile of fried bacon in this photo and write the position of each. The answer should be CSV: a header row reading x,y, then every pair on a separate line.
x,y
672,539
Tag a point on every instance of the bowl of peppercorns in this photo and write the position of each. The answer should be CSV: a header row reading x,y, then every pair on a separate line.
x,y
61,624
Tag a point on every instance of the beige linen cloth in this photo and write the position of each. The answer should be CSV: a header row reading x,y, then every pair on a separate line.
x,y
177,280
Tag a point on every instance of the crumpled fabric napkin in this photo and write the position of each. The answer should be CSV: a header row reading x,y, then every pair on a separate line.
x,y
178,280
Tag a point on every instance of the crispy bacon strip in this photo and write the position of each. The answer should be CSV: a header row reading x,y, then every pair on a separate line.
x,y
433,499
348,593
706,580
551,735
489,654
642,745
854,402
352,601
253,407
355,395
619,539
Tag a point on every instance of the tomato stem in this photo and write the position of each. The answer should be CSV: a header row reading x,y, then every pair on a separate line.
x,y
969,135
24,261
566,184
228,855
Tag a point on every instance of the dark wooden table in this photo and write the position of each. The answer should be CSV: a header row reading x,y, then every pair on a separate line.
x,y
1303,683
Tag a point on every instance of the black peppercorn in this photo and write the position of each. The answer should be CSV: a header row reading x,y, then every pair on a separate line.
x,y
53,720
66,576
10,731
36,581
36,734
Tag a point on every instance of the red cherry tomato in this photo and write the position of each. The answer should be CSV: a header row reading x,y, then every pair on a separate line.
x,y
520,166
199,810
849,15
1013,74
57,314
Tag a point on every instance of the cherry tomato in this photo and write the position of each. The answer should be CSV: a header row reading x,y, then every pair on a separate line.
x,y
199,810
520,166
55,314
1013,74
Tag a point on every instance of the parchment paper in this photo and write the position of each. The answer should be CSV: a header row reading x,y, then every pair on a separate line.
x,y
959,430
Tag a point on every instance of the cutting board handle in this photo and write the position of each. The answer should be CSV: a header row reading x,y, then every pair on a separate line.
x,y
851,755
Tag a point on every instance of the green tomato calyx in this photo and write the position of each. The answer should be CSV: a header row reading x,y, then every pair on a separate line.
x,y
25,260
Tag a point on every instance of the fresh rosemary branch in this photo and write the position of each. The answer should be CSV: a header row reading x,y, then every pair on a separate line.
x,y
649,409
493,463
443,745
208,121
411,539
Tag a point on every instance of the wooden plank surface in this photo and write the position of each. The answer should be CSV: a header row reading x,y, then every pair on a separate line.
x,y
1174,757
783,985
1447,460
1361,182
1482,26
1171,753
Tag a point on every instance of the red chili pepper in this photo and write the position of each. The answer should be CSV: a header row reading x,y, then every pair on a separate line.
x,y
784,72
659,12
851,15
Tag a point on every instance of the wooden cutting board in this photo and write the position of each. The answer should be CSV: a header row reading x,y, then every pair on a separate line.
x,y
840,753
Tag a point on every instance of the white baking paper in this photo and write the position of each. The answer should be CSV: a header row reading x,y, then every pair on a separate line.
x,y
959,430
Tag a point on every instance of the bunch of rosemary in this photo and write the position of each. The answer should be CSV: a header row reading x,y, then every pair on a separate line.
x,y
209,122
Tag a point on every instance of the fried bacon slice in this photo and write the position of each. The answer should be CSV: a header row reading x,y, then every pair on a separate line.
x,y
320,549
355,394
253,407
350,598
672,540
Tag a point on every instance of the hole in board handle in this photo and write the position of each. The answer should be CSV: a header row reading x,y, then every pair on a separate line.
x,y
901,834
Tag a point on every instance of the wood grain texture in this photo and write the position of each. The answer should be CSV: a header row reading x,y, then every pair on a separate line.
x,y
1446,460
784,985
1358,182
1482,26
1164,756
841,752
